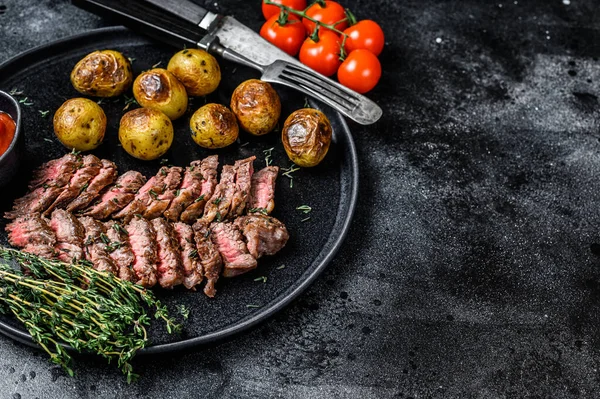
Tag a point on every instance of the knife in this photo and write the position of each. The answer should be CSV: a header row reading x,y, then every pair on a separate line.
x,y
181,22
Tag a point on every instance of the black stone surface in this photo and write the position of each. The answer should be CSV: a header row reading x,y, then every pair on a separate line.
x,y
472,266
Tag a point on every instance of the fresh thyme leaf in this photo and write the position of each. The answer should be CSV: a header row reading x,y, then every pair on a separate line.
x,y
218,216
15,92
129,101
268,155
252,306
193,254
184,311
164,161
217,201
163,171
48,140
83,188
105,238
153,194
157,64
177,192
43,113
261,278
200,198
304,208
258,210
305,219
131,60
280,267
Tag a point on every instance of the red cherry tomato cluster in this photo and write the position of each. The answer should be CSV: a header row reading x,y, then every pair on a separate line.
x,y
327,38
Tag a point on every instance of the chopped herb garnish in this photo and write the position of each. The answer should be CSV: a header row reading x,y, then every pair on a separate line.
x,y
261,278
305,219
258,210
185,312
46,186
288,173
104,238
100,101
217,201
119,229
192,167
280,267
193,254
153,194
304,208
25,102
306,103
233,70
48,140
43,113
200,198
131,60
139,215
244,144
252,306
113,246
129,101
207,234
84,187
177,192
268,155
15,92
157,64
164,161
163,171
218,216
115,200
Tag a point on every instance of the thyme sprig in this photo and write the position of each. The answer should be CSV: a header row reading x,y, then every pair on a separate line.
x,y
288,173
73,304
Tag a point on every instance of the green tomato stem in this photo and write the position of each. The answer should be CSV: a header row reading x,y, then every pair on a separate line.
x,y
303,15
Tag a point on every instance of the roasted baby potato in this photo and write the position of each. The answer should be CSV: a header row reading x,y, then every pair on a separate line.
x,y
257,106
159,89
80,124
306,136
105,73
146,133
214,126
197,70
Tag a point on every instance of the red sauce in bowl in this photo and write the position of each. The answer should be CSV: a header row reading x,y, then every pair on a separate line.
x,y
7,131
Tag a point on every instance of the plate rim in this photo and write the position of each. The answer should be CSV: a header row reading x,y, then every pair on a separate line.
x,y
260,316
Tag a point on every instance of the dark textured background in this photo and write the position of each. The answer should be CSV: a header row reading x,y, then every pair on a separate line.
x,y
472,268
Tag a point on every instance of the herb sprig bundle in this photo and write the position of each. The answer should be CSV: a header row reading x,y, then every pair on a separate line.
x,y
73,304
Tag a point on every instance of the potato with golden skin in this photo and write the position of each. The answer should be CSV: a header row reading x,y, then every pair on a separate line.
x,y
306,137
159,89
214,126
80,124
197,70
257,106
105,73
146,133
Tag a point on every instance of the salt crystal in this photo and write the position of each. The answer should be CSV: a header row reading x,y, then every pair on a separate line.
x,y
438,40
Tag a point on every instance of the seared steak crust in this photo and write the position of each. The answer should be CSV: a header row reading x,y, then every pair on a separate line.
x,y
121,253
69,235
243,182
95,245
218,205
32,233
190,261
208,171
106,176
265,235
79,182
142,240
209,257
262,192
228,240
117,196
169,258
151,189
55,172
159,201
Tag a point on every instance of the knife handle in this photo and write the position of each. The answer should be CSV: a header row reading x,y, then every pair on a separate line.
x,y
145,18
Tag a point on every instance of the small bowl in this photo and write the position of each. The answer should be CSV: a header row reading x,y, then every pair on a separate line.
x,y
9,161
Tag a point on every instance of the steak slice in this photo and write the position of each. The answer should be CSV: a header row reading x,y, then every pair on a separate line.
x,y
265,235
160,202
228,240
209,257
192,267
117,196
191,187
142,240
208,172
144,195
79,182
169,255
48,186
32,233
69,235
243,182
105,177
95,245
121,253
262,192
218,205
55,172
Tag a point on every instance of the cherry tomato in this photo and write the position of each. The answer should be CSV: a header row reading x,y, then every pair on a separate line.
x,y
270,10
288,37
360,71
330,14
322,56
365,35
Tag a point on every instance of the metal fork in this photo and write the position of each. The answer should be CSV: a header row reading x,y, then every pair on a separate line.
x,y
344,100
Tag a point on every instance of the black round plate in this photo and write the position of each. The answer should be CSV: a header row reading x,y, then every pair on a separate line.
x,y
42,75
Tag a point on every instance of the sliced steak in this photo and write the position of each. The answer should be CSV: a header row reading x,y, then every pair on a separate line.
x,y
55,172
243,182
105,177
262,192
218,205
118,196
79,182
190,261
265,235
47,187
142,240
208,172
151,189
169,268
228,240
160,200
32,233
95,245
209,257
120,253
69,235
